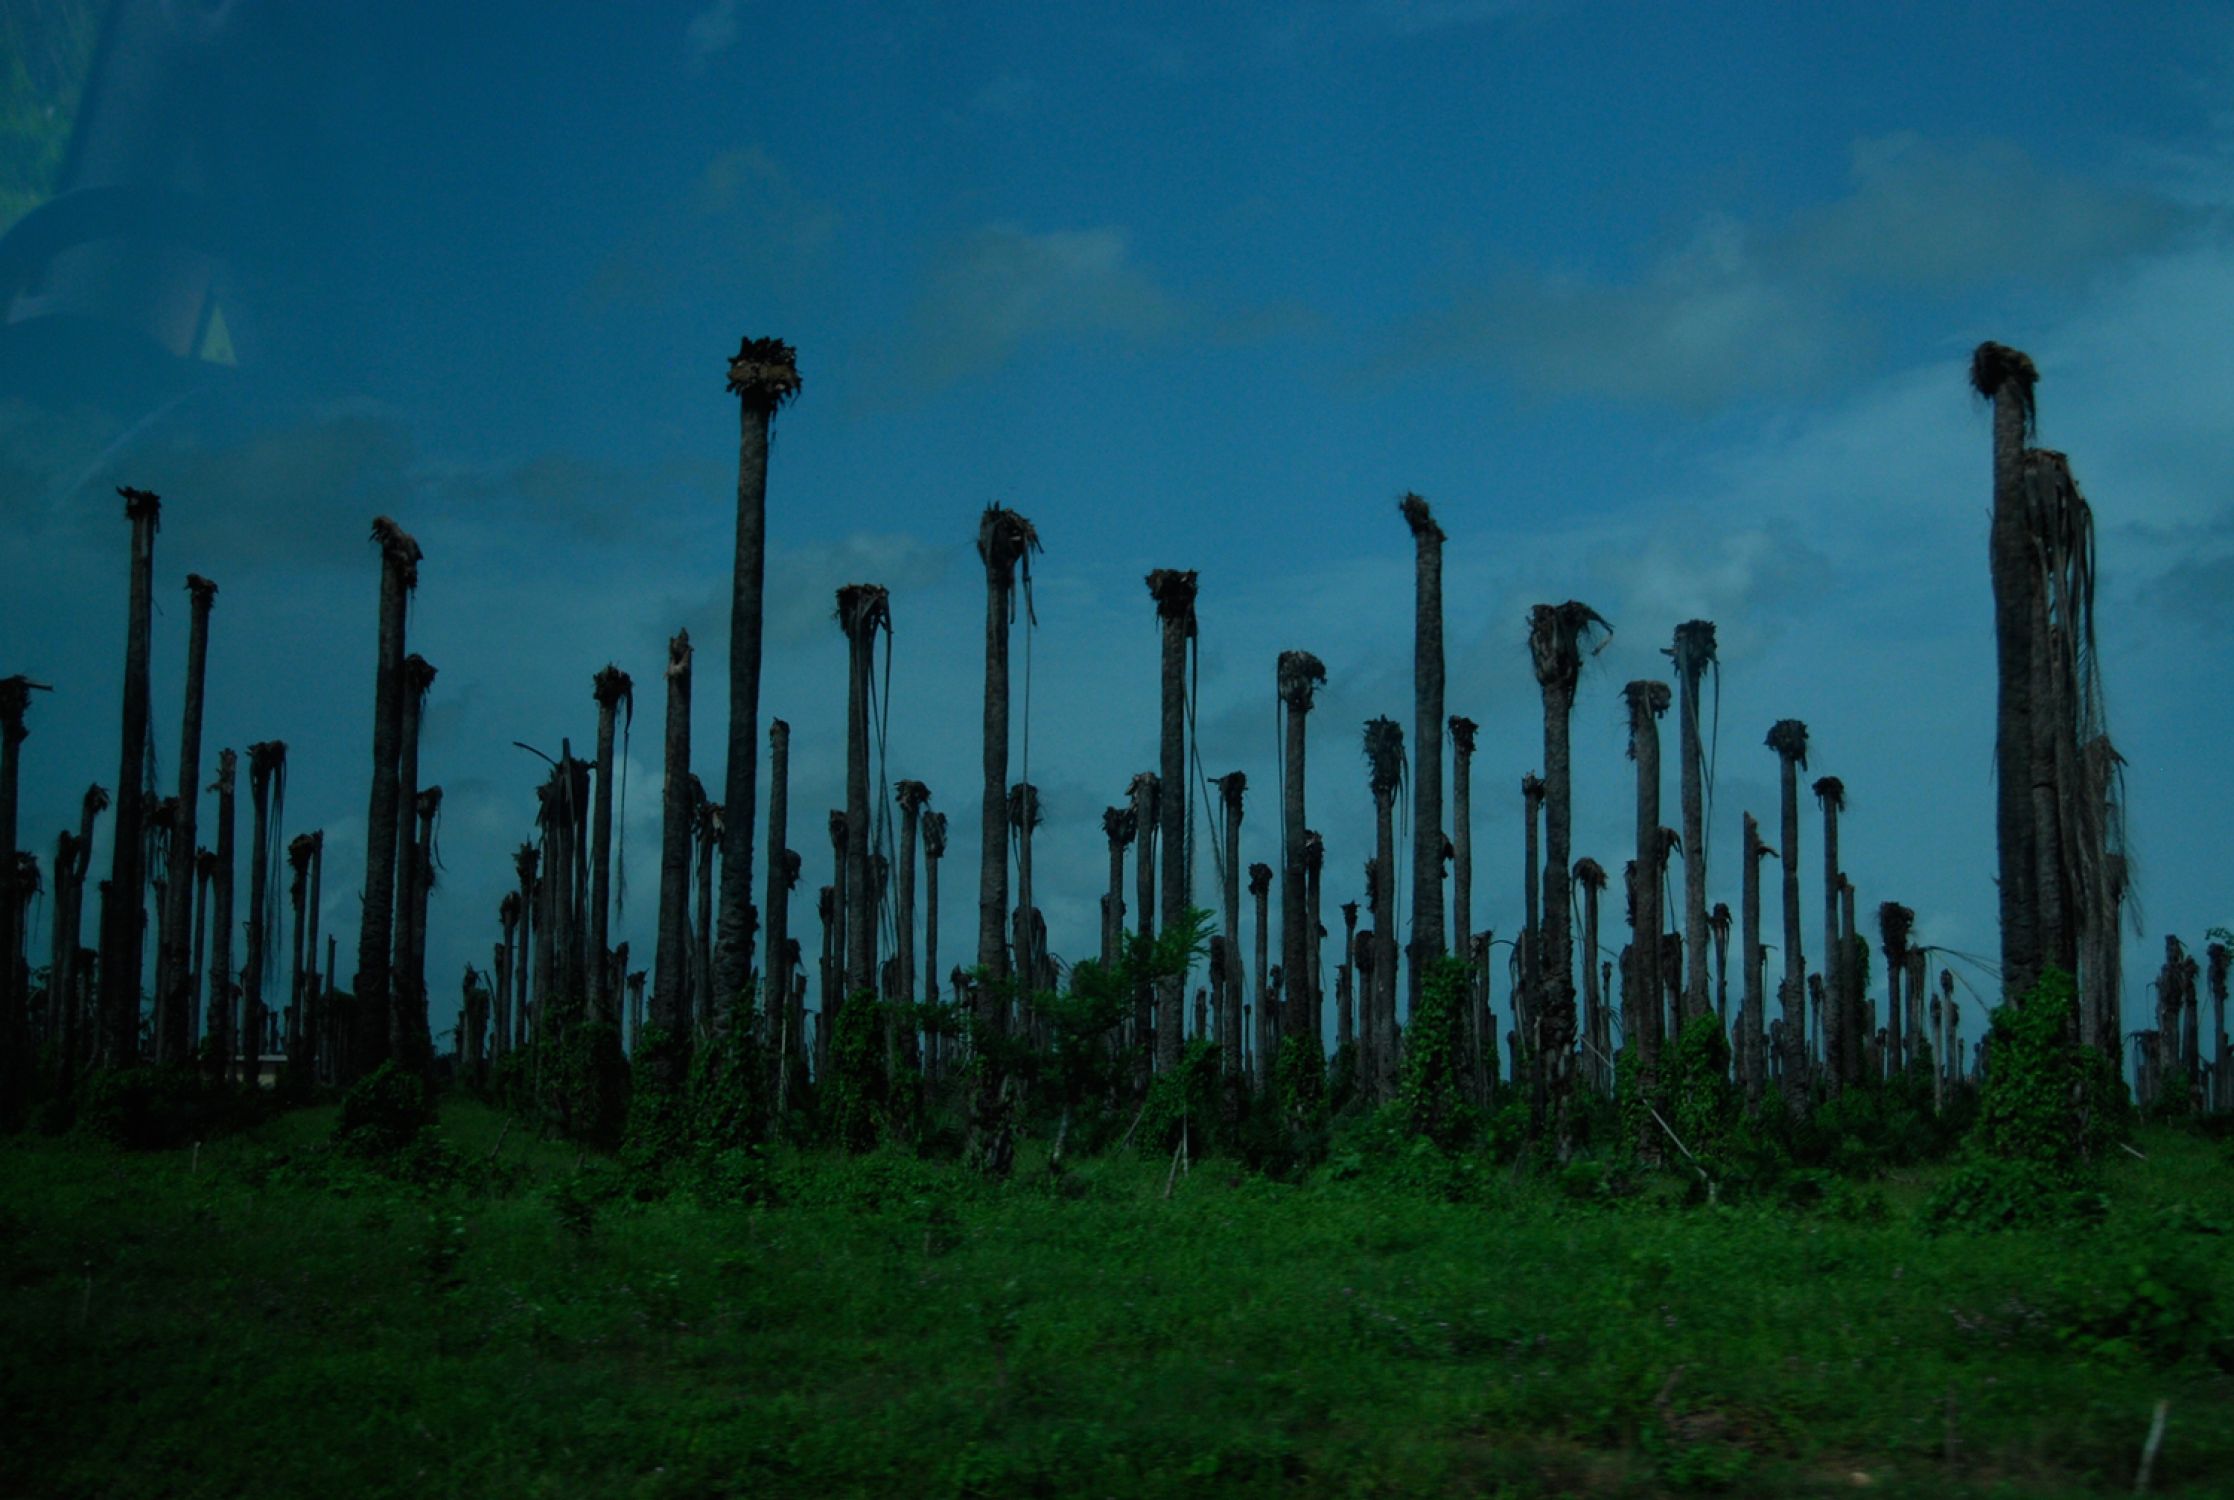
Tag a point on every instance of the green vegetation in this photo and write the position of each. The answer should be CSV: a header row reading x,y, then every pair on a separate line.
x,y
474,1311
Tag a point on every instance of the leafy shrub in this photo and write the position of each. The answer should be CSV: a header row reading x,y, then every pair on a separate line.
x,y
2164,1309
1428,1092
383,1112
2046,1099
1991,1195
153,1109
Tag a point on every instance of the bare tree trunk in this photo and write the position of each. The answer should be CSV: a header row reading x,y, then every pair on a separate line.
x,y
667,1058
1260,887
1384,756
15,1001
1147,797
1428,938
1345,1019
776,958
1173,590
174,1022
121,915
1554,637
371,1043
1232,983
1298,676
610,688
222,1039
2006,377
1788,738
1647,701
1462,732
1839,1069
410,1039
934,851
1591,876
763,375
1531,941
1694,651
267,761
1753,1056
710,826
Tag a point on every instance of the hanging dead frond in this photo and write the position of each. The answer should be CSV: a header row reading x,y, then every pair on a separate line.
x,y
1830,793
1556,633
1788,738
1415,513
764,373
1995,366
1384,755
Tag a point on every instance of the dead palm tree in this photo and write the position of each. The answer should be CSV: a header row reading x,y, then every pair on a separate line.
x,y
834,920
913,797
220,1037
1841,1029
1173,589
934,850
399,576
611,688
1298,675
1788,738
1023,821
1642,1019
15,1017
409,1035
1752,1055
1894,923
667,1049
1005,544
526,861
1314,868
73,857
1718,925
1384,759
508,918
1531,949
2006,378
173,984
205,868
863,610
1146,792
267,769
1462,732
1117,828
783,874
1227,972
1694,652
1590,877
121,915
299,850
709,827
763,376
1428,939
1260,887
1555,636
1345,1019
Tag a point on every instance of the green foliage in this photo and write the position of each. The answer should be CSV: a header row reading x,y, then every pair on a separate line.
x,y
2046,1099
856,1092
1183,1101
1428,1093
151,1108
2012,1194
383,1112
1702,1107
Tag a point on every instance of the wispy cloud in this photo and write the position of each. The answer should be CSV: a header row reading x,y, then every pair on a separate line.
x,y
1743,307
711,32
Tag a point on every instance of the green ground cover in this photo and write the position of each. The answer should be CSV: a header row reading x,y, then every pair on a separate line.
x,y
498,1315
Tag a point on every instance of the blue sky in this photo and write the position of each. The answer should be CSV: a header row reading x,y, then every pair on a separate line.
x,y
1667,309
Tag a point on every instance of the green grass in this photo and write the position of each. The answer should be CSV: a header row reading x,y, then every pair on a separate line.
x,y
270,1320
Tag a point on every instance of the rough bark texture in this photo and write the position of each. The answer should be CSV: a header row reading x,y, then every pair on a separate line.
x,y
399,574
1788,738
1591,877
121,933
1752,1053
1231,981
611,688
2006,378
175,979
15,1017
1555,633
266,761
1647,700
410,1037
1839,1068
667,1058
1428,938
1260,887
1298,676
1173,589
1694,651
219,1046
1384,755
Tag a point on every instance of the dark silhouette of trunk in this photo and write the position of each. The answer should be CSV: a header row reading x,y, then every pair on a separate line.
x,y
73,861
1694,652
1643,1011
1840,1066
1752,1054
1384,758
934,850
1117,827
222,1040
783,1025
1788,738
122,932
2006,378
1146,791
1345,1011
1428,941
912,797
267,763
710,824
1314,866
1024,921
1718,924
526,861
1228,971
370,1045
863,610
667,1056
611,688
15,998
1894,922
1005,544
1555,634
174,982
1591,877
1173,589
507,965
1298,675
205,867
1853,955
1260,888
314,994
1531,954
763,375
299,977
1462,732
410,1038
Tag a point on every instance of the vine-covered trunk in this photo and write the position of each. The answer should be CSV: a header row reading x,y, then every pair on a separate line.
x,y
1428,939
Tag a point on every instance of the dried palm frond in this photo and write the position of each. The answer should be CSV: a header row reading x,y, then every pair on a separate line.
x,y
1830,792
1993,366
1416,516
1118,825
764,373
934,835
1463,731
1788,738
1555,636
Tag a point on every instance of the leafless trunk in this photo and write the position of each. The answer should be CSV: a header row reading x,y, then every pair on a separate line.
x,y
174,1024
372,1043
1694,652
1428,938
122,932
1752,1054
1788,738
267,761
1840,1069
1643,1022
221,1042
1298,675
1173,589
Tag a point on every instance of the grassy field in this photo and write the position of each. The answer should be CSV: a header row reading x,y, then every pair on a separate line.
x,y
263,1316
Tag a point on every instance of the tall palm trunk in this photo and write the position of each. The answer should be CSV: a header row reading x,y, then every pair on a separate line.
x,y
1894,922
1788,738
1146,791
15,1014
1841,1067
1023,822
222,1038
1314,867
313,1005
1647,700
1384,758
863,610
1531,937
1590,876
1230,979
1555,635
298,895
1694,651
1005,543
173,1023
1173,589
912,797
934,850
783,1026
1260,888
1718,924
1462,732
1428,939
763,375
1345,1015
1298,675
526,860
1117,828
267,762
72,862
2006,378
410,1038
710,825
371,1045
611,688
205,867
667,1055
121,929
835,920
428,806
1752,1053
507,965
